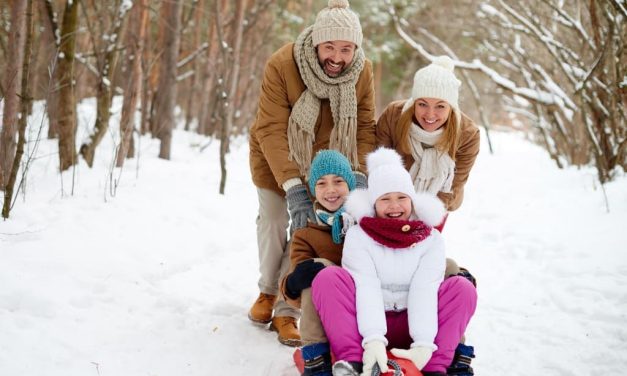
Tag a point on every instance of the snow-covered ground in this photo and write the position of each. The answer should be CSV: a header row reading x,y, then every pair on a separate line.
x,y
155,277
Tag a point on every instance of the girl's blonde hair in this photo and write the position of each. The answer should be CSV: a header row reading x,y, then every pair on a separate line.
x,y
450,137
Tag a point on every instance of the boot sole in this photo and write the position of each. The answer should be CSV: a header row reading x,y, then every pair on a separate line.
x,y
291,342
257,321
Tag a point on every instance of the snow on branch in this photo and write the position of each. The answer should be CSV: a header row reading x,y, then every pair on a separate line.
x,y
536,95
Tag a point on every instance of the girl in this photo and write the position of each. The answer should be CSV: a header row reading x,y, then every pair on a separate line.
x,y
390,292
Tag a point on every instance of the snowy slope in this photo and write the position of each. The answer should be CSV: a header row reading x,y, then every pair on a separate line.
x,y
157,278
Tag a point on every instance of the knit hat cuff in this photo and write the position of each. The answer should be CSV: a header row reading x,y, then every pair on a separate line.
x,y
327,34
442,92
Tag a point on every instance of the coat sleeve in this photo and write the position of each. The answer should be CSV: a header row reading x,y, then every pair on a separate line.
x,y
365,115
369,298
384,128
300,250
422,300
271,124
464,160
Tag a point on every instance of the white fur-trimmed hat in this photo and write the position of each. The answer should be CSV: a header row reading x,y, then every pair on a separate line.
x,y
437,80
386,174
337,22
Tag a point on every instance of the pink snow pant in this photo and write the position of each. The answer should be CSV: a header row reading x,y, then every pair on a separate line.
x,y
333,294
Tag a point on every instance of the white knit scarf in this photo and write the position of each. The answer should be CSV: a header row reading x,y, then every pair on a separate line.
x,y
432,170
343,100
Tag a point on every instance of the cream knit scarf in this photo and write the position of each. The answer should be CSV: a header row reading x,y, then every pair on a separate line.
x,y
432,170
342,97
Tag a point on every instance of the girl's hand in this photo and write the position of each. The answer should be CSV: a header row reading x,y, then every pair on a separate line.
x,y
419,355
374,352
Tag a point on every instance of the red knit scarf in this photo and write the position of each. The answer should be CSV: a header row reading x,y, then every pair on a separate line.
x,y
395,233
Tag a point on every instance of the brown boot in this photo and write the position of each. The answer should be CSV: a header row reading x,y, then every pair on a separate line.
x,y
261,311
287,329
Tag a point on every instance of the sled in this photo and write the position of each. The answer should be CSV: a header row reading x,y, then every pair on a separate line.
x,y
406,366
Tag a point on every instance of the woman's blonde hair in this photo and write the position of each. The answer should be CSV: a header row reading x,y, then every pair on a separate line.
x,y
450,136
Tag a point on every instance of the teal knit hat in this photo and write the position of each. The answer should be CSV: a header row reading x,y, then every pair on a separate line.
x,y
330,162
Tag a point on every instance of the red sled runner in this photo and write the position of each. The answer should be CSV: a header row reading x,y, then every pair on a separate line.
x,y
398,366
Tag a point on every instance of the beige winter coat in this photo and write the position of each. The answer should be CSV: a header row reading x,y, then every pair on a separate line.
x,y
465,157
280,89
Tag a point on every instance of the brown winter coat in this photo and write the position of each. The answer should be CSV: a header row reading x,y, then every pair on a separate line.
x,y
280,89
467,150
313,241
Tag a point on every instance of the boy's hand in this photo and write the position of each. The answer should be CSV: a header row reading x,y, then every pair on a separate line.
x,y
301,277
374,352
300,207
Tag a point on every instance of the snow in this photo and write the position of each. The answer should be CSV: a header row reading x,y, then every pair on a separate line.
x,y
155,277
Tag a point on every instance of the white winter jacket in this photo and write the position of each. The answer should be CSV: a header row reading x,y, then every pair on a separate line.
x,y
388,279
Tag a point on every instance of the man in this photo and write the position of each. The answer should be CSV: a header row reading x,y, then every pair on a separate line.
x,y
317,93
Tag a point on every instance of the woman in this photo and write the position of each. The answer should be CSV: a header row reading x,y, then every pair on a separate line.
x,y
438,143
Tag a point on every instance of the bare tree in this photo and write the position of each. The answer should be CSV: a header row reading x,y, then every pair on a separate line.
x,y
231,80
65,78
24,108
170,25
12,88
50,36
560,70
107,60
136,36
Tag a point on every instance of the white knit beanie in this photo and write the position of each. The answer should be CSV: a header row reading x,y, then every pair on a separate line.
x,y
386,174
337,22
437,80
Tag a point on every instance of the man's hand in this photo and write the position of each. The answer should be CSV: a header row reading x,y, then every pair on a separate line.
x,y
300,207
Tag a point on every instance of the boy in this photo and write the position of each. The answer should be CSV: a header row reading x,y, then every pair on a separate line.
x,y
315,246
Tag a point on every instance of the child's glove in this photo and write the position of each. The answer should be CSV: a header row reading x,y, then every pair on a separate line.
x,y
301,277
374,352
419,355
300,207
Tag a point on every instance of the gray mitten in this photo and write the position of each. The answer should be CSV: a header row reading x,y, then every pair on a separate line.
x,y
300,207
361,180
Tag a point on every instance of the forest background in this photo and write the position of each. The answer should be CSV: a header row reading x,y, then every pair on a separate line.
x,y
552,69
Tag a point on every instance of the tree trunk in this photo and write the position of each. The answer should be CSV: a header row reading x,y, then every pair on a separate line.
x,y
170,24
67,95
25,105
48,36
105,90
12,88
233,80
206,112
147,85
192,101
139,18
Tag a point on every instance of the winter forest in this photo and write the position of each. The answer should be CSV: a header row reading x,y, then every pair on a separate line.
x,y
133,115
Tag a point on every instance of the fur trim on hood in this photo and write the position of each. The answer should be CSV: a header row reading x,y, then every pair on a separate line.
x,y
427,207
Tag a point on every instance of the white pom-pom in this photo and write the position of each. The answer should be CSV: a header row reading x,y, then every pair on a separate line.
x,y
445,62
338,3
383,157
429,208
357,204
